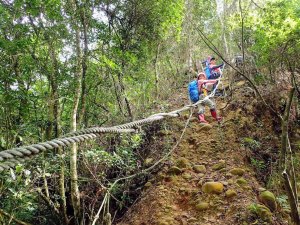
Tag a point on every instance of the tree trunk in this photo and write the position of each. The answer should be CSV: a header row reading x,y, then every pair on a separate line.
x,y
156,73
84,22
242,35
75,196
57,130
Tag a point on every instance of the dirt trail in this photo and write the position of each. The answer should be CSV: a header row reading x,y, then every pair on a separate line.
x,y
177,194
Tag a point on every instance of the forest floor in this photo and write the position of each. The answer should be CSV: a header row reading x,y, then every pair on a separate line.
x,y
182,192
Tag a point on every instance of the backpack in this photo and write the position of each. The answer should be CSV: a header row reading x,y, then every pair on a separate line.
x,y
193,91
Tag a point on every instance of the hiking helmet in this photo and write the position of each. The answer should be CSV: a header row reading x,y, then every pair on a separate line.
x,y
212,58
201,74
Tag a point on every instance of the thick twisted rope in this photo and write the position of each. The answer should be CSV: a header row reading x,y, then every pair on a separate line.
x,y
12,157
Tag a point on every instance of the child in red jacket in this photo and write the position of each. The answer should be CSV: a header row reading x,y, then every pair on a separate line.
x,y
203,84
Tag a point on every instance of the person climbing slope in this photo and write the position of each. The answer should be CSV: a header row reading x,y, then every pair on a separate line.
x,y
198,91
215,71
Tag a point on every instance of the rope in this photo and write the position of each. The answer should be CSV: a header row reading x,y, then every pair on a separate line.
x,y
12,157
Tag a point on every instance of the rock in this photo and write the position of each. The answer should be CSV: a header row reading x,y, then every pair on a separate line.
x,y
224,170
202,206
268,199
261,189
225,183
199,169
219,165
201,174
261,211
228,175
230,193
148,162
148,184
205,126
213,187
230,181
187,176
241,182
237,171
240,83
174,170
183,163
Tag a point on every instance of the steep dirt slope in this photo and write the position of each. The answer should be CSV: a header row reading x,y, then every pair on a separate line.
x,y
178,194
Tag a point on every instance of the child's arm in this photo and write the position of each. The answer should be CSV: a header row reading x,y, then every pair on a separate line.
x,y
209,81
216,67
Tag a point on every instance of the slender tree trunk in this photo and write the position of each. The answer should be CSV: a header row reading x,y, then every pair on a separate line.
x,y
23,100
57,131
117,93
242,36
75,196
156,72
122,90
84,21
223,23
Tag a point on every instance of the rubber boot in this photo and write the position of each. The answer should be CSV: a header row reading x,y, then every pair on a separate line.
x,y
214,115
201,118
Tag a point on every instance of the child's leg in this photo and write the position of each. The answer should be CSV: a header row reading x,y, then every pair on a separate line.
x,y
213,111
201,112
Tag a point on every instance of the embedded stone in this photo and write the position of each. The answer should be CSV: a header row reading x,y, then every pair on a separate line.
x,y
230,193
261,211
201,174
174,170
182,162
148,162
202,206
219,165
205,126
213,187
241,182
187,176
224,170
199,168
268,199
240,83
237,171
148,184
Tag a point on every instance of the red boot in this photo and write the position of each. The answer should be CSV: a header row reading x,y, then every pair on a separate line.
x,y
201,118
214,115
